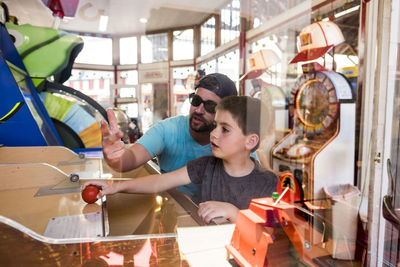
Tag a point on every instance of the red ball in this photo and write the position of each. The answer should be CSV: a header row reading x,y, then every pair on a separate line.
x,y
89,194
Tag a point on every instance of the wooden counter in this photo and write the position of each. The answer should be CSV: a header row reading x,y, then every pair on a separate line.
x,y
36,190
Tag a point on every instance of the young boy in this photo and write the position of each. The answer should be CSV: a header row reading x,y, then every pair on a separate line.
x,y
230,178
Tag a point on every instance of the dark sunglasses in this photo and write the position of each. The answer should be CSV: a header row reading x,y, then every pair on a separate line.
x,y
196,101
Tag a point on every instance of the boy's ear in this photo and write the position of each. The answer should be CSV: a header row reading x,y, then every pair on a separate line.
x,y
251,141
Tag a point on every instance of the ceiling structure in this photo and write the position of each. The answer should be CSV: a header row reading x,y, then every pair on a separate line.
x,y
123,15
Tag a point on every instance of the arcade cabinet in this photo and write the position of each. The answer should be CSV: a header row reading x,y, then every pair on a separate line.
x,y
23,116
316,163
48,56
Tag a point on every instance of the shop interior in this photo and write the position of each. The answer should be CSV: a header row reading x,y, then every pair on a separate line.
x,y
327,70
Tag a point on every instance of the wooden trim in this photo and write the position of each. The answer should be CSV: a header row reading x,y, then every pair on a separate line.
x,y
217,30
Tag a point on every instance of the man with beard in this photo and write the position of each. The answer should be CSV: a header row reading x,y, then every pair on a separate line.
x,y
174,141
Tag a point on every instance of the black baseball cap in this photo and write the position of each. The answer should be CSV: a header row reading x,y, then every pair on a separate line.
x,y
219,84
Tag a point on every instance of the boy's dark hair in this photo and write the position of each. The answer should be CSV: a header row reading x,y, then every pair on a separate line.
x,y
247,112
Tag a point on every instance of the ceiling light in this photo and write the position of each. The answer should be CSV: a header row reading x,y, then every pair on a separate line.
x,y
103,23
347,11
143,20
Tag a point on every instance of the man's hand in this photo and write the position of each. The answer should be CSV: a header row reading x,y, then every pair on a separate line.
x,y
212,209
113,147
106,189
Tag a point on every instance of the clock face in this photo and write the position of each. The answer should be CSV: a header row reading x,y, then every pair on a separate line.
x,y
316,104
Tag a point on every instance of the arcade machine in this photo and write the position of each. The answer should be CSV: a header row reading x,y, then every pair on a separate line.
x,y
47,56
316,163
23,116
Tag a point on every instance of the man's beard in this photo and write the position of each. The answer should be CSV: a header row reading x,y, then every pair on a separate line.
x,y
207,127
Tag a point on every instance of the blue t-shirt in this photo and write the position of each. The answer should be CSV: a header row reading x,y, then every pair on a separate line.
x,y
171,142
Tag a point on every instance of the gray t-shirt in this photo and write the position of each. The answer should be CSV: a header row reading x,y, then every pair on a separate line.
x,y
218,185
171,142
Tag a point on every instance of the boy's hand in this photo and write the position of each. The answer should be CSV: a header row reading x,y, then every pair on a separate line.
x,y
113,147
105,188
212,209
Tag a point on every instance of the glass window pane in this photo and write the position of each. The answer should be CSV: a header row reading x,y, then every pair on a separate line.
x,y
395,80
154,48
183,85
230,22
276,70
93,83
262,12
147,99
183,44
129,77
126,92
210,66
132,109
128,50
208,36
228,64
92,48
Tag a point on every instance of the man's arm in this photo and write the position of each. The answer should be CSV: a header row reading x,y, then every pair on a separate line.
x,y
147,184
133,157
115,154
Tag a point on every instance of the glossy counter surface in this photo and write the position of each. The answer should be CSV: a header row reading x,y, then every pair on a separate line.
x,y
39,203
33,193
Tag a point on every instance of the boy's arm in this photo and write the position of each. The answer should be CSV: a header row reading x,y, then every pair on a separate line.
x,y
147,184
212,209
155,183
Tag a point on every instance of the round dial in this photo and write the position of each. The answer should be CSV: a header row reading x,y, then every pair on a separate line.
x,y
316,104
